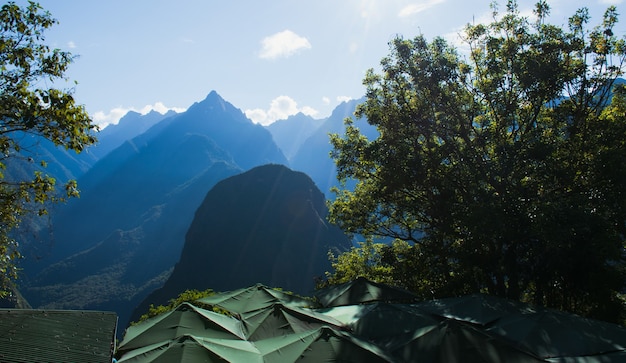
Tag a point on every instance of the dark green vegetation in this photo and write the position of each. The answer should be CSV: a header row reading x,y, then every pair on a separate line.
x,y
185,296
266,225
29,107
505,172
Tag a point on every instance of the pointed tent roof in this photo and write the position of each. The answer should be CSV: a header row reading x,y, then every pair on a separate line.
x,y
278,319
185,319
476,327
456,341
383,323
478,308
253,298
323,344
361,291
555,334
189,348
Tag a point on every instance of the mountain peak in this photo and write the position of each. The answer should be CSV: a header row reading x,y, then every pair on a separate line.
x,y
212,102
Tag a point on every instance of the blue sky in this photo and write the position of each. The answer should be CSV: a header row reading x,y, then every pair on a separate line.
x,y
268,58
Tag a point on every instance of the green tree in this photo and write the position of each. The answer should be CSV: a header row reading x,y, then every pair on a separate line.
x,y
189,296
504,169
30,104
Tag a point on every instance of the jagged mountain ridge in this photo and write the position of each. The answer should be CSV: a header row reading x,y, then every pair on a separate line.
x,y
142,195
313,156
131,125
290,133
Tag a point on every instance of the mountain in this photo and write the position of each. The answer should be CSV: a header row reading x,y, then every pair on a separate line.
x,y
290,133
62,164
266,225
313,156
132,124
121,238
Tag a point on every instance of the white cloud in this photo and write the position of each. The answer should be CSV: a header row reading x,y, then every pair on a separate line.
x,y
280,108
309,111
326,100
258,116
283,44
418,7
342,99
71,44
103,119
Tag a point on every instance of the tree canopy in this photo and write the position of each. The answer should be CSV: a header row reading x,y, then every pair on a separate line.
x,y
504,169
31,103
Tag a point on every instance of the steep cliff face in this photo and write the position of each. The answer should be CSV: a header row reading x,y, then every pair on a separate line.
x,y
266,225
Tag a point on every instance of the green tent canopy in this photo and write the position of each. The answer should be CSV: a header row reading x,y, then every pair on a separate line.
x,y
365,321
362,291
456,341
550,333
189,348
254,298
279,319
185,319
324,344
384,323
477,308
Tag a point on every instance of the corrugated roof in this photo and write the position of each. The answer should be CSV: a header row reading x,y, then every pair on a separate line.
x,y
56,335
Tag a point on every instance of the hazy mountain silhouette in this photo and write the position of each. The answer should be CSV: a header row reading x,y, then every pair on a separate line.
x,y
129,126
121,238
289,134
313,156
266,225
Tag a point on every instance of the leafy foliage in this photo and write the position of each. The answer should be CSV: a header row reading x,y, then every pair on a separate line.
x,y
504,171
29,104
185,296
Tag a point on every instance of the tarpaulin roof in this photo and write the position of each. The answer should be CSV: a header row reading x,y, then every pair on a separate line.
x,y
56,335
383,323
476,328
361,291
456,341
478,308
185,319
323,344
254,298
189,348
279,319
554,334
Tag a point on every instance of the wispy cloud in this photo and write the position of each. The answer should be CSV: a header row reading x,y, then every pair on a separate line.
x,y
103,119
280,108
342,99
418,7
71,44
283,44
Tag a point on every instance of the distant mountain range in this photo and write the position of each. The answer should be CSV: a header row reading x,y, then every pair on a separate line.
x,y
291,133
313,155
140,188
